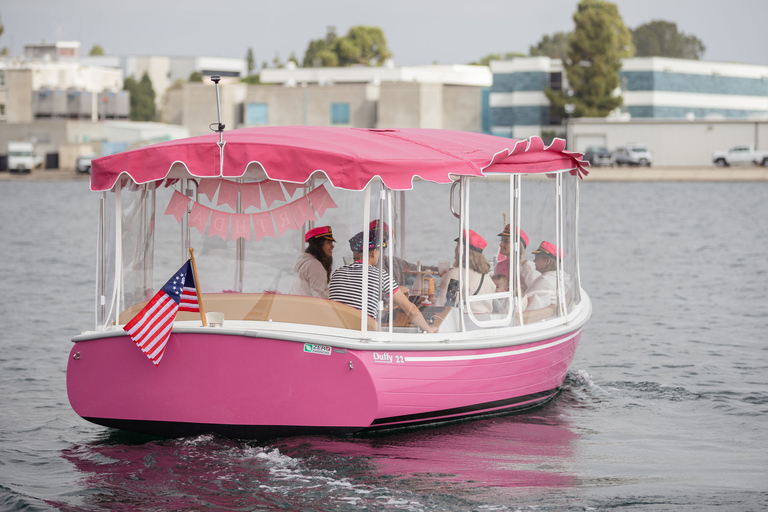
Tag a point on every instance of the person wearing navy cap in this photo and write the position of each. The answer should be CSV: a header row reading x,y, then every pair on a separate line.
x,y
346,282
480,283
313,269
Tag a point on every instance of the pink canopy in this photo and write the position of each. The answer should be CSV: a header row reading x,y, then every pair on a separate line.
x,y
350,157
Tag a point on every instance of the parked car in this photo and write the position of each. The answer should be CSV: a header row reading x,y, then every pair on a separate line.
x,y
632,154
740,155
84,162
599,156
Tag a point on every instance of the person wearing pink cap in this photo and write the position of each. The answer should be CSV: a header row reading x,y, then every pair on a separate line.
x,y
480,283
528,272
313,269
542,294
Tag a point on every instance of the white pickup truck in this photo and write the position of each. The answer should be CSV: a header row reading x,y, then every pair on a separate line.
x,y
740,155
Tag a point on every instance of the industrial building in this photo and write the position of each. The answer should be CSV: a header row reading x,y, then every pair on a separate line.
x,y
652,87
448,97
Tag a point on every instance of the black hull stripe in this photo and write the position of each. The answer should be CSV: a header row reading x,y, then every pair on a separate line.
x,y
175,429
483,408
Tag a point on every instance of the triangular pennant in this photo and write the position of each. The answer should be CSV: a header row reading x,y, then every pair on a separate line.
x,y
219,224
177,206
272,192
228,193
321,200
198,217
302,210
208,188
250,195
241,226
291,188
262,224
284,219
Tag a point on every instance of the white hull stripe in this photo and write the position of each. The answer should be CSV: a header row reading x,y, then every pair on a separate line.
x,y
493,355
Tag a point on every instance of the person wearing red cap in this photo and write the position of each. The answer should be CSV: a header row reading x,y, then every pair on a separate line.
x,y
542,293
528,272
480,283
313,269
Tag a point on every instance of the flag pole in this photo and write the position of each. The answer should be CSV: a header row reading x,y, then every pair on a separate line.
x,y
197,287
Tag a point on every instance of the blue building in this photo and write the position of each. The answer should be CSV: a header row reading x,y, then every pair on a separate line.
x,y
652,87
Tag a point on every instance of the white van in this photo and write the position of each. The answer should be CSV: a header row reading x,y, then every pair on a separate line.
x,y
21,157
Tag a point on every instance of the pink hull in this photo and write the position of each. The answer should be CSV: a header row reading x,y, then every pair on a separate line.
x,y
246,387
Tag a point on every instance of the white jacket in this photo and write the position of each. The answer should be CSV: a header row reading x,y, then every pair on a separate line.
x,y
311,279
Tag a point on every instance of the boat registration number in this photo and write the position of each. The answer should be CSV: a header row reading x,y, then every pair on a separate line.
x,y
387,358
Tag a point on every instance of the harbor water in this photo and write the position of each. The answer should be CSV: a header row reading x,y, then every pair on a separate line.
x,y
665,406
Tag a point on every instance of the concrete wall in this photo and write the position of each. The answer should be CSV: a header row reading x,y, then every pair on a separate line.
x,y
399,105
672,142
194,106
18,105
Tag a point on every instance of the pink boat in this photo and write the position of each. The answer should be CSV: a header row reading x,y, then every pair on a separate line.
x,y
264,361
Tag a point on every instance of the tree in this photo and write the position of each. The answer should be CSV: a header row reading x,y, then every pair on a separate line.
x,y
597,45
96,50
554,46
276,62
659,38
362,45
250,61
195,76
252,79
5,51
486,60
142,98
321,53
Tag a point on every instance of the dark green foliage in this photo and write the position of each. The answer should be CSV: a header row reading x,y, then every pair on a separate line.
x,y
597,45
252,79
362,45
250,61
554,46
486,60
659,38
142,98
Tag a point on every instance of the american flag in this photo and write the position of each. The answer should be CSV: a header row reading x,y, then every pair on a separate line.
x,y
151,328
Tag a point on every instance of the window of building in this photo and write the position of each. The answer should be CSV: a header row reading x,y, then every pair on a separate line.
x,y
257,114
339,113
2,110
556,81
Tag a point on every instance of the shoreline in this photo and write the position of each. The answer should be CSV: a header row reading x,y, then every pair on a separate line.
x,y
595,174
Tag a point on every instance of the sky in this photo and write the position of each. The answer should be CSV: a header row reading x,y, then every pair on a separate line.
x,y
418,32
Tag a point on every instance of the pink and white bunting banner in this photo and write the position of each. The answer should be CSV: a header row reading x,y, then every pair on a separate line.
x,y
232,226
